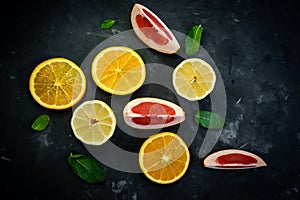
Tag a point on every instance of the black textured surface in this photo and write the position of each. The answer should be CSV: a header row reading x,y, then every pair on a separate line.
x,y
255,45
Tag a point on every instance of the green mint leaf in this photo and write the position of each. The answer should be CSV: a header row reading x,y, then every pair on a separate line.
x,y
40,123
210,120
86,168
107,23
192,41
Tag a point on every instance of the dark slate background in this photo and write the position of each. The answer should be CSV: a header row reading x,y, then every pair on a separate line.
x,y
255,45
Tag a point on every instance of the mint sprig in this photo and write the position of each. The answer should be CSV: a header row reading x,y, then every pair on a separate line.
x,y
41,122
86,168
193,39
107,23
210,120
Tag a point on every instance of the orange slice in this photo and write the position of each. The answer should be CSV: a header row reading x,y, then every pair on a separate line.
x,y
118,70
93,122
164,158
57,83
233,159
152,30
194,79
152,113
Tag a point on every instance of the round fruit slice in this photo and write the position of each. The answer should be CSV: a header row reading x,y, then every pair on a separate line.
x,y
118,70
57,83
194,79
233,159
93,122
152,113
164,157
152,30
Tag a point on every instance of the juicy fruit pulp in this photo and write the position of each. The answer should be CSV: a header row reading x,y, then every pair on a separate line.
x,y
152,31
150,110
152,113
164,158
194,79
93,122
57,83
233,159
236,158
118,70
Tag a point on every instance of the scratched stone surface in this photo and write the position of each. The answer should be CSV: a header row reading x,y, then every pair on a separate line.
x,y
254,45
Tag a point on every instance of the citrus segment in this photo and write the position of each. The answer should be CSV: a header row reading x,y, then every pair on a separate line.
x,y
93,122
164,158
152,113
194,79
233,159
152,30
57,83
118,70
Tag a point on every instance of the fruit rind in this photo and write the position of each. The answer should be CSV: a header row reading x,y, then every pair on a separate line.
x,y
112,115
49,61
210,160
128,114
150,139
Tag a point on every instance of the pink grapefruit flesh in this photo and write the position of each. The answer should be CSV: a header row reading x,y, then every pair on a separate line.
x,y
236,158
152,113
151,30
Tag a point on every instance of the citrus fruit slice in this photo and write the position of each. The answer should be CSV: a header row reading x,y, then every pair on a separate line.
x,y
152,30
194,79
57,83
152,113
233,159
164,158
93,122
118,70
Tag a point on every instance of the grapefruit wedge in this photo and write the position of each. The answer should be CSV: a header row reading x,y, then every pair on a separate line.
x,y
152,113
233,159
152,30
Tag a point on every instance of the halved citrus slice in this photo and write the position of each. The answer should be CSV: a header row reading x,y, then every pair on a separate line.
x,y
118,70
194,79
152,30
164,157
152,113
57,83
93,122
233,159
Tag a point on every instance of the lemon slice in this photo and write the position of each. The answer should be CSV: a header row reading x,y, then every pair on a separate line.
x,y
194,79
118,70
93,122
